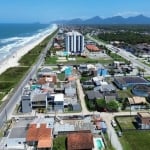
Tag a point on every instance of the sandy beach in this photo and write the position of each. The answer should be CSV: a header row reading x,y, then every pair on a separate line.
x,y
12,60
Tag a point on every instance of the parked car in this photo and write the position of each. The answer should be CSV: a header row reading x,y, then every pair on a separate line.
x,y
119,133
113,123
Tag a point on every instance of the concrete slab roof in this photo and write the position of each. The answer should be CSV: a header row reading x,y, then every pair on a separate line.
x,y
19,132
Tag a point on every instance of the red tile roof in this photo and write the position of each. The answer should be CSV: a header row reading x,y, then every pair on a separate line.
x,y
71,78
42,135
78,141
32,133
91,47
45,143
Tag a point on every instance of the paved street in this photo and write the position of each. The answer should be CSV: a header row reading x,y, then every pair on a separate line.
x,y
81,97
123,53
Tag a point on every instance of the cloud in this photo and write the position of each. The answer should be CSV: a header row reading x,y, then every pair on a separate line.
x,y
129,13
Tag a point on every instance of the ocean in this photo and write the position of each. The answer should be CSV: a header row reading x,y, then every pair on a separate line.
x,y
15,36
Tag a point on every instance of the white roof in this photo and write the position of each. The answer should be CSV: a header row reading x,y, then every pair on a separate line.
x,y
90,66
58,97
103,83
73,33
98,78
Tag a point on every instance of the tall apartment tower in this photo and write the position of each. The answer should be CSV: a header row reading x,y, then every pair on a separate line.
x,y
74,42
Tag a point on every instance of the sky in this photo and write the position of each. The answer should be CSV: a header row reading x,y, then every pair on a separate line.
x,y
44,11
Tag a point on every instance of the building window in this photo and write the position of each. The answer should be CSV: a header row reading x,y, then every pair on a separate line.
x,y
77,43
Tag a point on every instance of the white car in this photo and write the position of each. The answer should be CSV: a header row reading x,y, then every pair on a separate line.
x,y
113,123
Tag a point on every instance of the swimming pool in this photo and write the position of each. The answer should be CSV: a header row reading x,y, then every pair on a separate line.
x,y
98,144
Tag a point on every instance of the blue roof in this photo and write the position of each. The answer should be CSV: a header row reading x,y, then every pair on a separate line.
x,y
103,125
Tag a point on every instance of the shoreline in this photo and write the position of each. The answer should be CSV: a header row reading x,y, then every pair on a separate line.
x,y
12,60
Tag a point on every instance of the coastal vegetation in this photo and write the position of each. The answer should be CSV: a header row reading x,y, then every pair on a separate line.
x,y
129,37
134,28
31,57
10,78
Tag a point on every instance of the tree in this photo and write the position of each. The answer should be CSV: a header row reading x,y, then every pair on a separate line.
x,y
101,104
112,106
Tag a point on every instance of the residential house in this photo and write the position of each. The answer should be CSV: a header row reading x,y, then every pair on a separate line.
x,y
58,102
26,104
70,91
143,120
26,101
40,136
38,99
48,75
137,103
82,68
88,84
80,141
110,96
107,88
93,95
16,138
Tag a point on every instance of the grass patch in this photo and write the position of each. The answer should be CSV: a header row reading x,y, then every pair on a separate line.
x,y
5,87
117,57
136,140
82,79
61,76
31,57
60,143
51,60
126,122
10,78
80,60
125,144
132,139
13,74
124,93
1,133
1,96
108,143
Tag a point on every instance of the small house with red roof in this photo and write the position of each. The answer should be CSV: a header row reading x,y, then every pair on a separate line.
x,y
40,136
80,141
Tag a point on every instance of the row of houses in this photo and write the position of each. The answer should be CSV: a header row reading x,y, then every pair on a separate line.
x,y
100,89
39,133
47,92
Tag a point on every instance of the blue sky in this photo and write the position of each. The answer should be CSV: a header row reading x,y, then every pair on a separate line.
x,y
47,10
